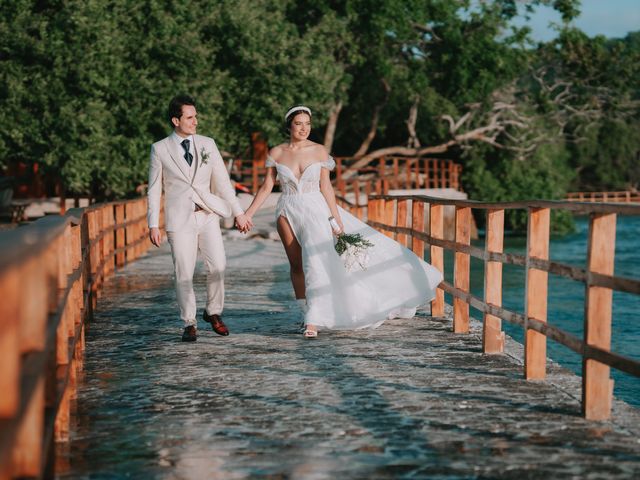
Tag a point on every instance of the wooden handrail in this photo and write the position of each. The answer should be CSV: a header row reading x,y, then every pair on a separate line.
x,y
386,213
51,272
626,196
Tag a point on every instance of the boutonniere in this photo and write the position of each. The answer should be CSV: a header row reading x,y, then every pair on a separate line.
x,y
204,156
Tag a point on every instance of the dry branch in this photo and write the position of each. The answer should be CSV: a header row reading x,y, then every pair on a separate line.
x,y
364,146
330,131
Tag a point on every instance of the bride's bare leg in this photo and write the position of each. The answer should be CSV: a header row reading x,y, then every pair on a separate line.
x,y
294,254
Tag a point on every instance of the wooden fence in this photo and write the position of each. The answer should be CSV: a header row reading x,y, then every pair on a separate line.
x,y
403,217
609,197
399,173
51,272
405,173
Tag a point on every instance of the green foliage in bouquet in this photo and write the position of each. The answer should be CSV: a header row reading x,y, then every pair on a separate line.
x,y
355,239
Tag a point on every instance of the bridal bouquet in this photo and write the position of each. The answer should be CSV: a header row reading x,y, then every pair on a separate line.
x,y
352,248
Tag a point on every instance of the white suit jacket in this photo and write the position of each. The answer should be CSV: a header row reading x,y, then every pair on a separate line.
x,y
169,170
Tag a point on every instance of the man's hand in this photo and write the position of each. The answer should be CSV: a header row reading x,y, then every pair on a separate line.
x,y
244,223
155,236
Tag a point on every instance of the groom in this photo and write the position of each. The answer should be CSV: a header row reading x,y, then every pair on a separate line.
x,y
189,167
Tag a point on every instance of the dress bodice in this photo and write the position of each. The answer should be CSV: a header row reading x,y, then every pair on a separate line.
x,y
309,180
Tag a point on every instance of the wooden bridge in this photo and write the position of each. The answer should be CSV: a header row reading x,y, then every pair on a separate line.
x,y
434,396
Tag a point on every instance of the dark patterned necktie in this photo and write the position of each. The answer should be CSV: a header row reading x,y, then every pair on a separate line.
x,y
187,156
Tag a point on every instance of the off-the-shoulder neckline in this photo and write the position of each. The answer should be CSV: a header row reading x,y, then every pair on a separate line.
x,y
303,171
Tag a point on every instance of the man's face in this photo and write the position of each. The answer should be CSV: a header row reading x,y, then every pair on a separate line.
x,y
188,123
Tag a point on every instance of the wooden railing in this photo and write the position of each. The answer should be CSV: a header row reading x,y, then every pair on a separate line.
x,y
610,197
405,173
51,272
399,173
416,220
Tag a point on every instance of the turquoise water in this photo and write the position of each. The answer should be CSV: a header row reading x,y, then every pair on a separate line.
x,y
566,297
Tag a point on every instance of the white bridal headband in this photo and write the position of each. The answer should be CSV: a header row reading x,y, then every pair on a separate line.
x,y
295,109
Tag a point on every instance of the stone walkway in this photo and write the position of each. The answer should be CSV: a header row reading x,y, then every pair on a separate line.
x,y
408,400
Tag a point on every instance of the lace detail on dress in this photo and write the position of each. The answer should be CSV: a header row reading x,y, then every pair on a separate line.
x,y
270,162
330,164
287,185
308,187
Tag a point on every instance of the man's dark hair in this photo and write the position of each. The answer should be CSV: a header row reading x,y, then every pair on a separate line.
x,y
176,104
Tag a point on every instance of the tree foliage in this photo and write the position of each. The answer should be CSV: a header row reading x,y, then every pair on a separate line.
x,y
85,86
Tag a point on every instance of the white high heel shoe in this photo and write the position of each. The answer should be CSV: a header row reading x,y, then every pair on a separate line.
x,y
308,333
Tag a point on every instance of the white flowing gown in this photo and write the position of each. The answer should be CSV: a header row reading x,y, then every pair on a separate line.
x,y
393,284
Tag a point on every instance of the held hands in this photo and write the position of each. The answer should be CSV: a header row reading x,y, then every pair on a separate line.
x,y
155,236
244,223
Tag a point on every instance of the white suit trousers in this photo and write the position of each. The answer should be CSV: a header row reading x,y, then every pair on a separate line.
x,y
184,249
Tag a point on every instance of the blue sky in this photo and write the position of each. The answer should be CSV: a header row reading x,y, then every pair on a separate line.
x,y
611,18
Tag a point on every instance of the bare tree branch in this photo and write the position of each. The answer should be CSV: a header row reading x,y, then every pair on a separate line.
x,y
503,119
413,141
364,146
330,131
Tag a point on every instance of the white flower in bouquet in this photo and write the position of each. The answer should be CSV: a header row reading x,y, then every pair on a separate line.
x,y
352,248
355,258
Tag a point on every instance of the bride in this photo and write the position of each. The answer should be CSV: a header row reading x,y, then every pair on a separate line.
x,y
394,282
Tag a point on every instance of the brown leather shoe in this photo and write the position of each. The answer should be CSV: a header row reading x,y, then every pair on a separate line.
x,y
216,322
189,334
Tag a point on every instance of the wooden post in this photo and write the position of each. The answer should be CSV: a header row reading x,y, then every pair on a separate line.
x,y
254,176
120,257
27,449
597,387
10,343
342,188
63,257
396,182
109,214
492,334
389,216
367,193
34,297
64,252
374,210
436,255
381,167
128,212
100,250
356,198
402,238
371,210
93,257
535,352
417,224
462,265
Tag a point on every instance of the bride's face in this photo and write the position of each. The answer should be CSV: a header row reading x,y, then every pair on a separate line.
x,y
300,127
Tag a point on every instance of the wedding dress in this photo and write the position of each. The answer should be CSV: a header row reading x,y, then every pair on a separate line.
x,y
393,284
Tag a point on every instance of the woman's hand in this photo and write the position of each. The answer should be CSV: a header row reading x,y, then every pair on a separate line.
x,y
244,222
336,225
